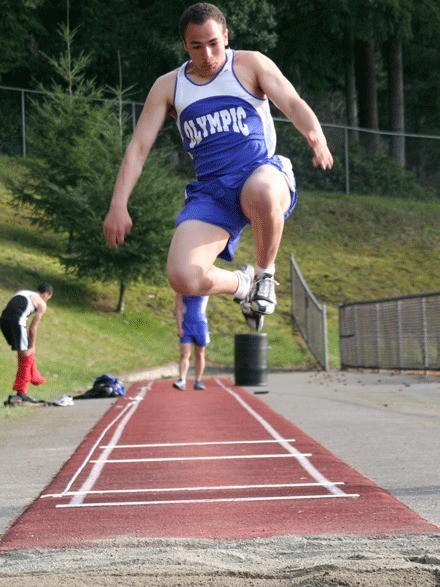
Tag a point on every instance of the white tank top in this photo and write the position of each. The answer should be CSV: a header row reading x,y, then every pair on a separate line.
x,y
223,127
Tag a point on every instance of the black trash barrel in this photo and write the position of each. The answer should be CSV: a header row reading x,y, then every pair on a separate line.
x,y
250,359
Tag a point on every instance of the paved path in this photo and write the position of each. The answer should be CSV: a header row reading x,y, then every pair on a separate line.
x,y
386,426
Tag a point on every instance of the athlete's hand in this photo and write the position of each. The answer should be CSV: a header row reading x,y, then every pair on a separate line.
x,y
323,158
117,225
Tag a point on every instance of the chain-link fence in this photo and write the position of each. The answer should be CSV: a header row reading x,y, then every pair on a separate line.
x,y
17,112
310,316
397,333
357,170
353,170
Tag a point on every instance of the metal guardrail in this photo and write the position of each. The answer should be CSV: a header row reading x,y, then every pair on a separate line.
x,y
396,333
310,316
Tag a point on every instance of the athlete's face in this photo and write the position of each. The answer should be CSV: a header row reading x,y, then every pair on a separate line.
x,y
45,296
206,44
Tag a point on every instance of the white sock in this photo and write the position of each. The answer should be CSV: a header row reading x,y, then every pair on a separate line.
x,y
243,285
259,271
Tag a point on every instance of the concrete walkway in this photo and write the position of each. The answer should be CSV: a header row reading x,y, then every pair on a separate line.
x,y
385,426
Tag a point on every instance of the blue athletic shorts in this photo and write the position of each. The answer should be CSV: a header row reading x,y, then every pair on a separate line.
x,y
217,201
196,333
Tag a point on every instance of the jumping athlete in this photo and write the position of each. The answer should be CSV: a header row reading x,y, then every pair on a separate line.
x,y
13,326
192,328
220,102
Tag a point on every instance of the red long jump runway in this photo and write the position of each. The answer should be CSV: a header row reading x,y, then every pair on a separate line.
x,y
216,464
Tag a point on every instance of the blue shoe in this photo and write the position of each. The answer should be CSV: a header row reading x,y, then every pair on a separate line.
x,y
198,384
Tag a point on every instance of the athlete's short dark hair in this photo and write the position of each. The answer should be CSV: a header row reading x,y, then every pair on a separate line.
x,y
45,287
198,14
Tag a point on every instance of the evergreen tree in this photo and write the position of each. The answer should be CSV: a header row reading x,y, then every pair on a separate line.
x,y
58,121
76,149
153,207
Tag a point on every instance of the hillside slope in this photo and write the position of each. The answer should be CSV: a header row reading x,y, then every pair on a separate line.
x,y
348,248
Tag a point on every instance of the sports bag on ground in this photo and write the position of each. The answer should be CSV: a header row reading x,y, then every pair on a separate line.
x,y
104,386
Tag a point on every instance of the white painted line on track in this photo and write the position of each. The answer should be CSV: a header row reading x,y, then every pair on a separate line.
x,y
213,458
214,443
188,489
94,447
78,497
213,500
124,416
305,463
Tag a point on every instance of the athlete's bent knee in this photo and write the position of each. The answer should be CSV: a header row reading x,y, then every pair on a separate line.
x,y
188,283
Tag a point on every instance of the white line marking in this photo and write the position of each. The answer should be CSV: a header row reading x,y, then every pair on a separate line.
x,y
127,413
188,489
218,443
94,447
215,458
215,500
306,464
86,489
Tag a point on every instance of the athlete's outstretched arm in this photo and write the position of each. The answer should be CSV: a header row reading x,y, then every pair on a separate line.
x,y
282,93
157,105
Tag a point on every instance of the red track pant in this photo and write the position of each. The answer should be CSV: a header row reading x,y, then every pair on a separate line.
x,y
27,372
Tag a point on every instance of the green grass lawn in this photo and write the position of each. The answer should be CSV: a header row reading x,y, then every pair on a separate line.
x,y
348,247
